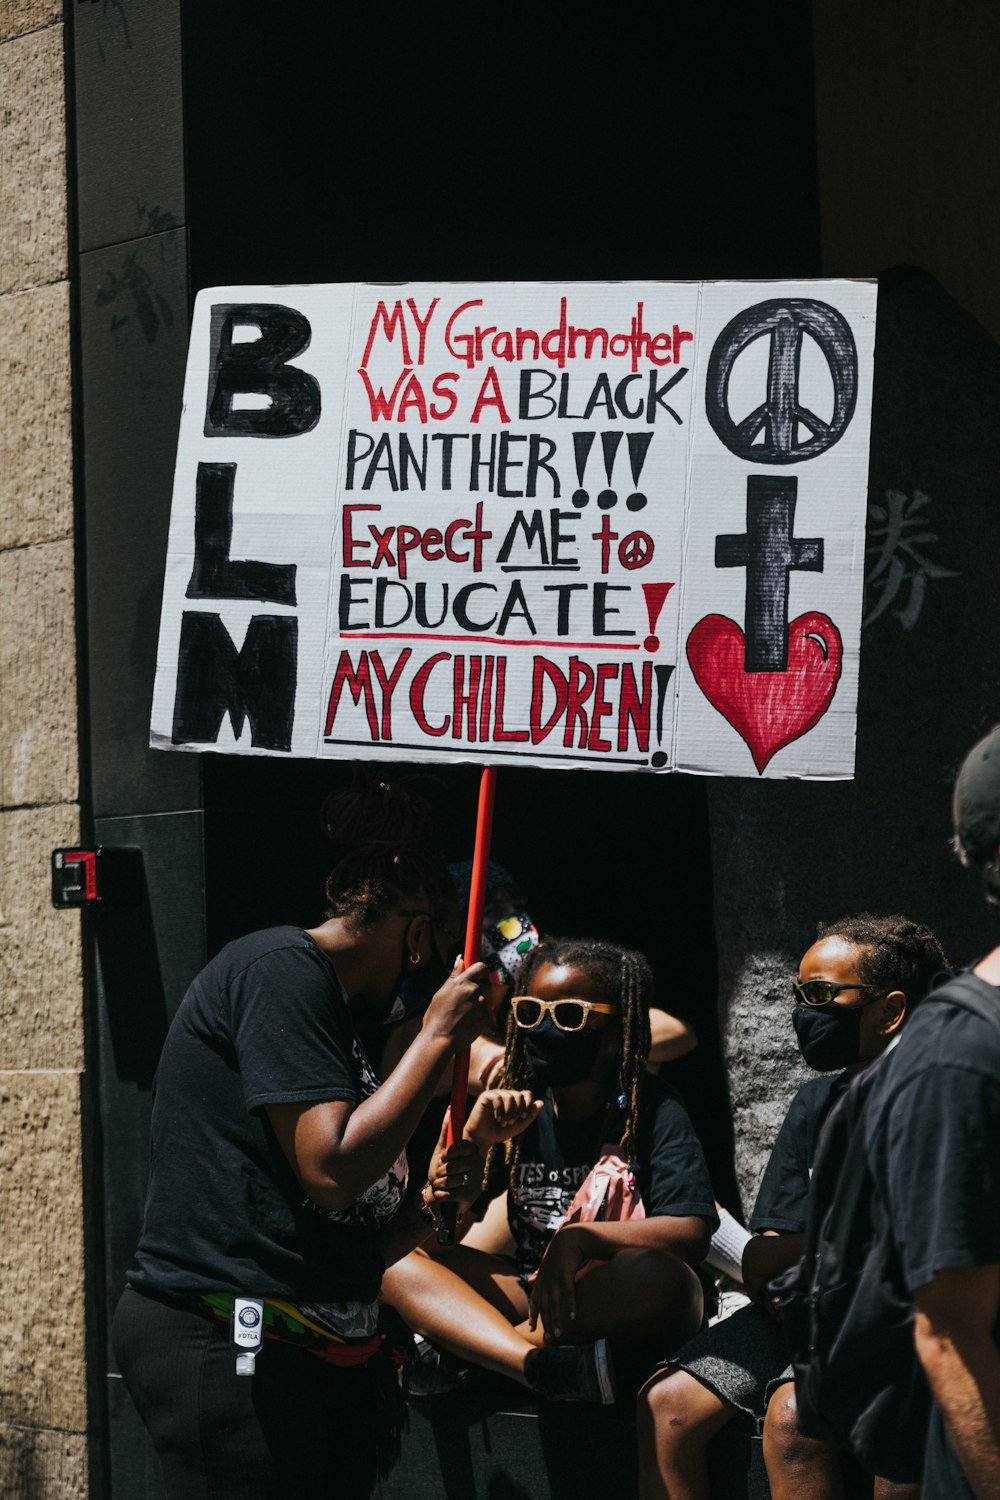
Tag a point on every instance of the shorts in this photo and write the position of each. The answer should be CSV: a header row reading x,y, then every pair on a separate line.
x,y
743,1359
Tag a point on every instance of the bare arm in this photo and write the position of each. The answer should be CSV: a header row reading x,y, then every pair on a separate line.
x,y
553,1298
485,1062
688,1237
670,1037
766,1256
337,1149
956,1313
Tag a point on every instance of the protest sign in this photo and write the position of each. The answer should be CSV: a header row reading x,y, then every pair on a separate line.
x,y
607,525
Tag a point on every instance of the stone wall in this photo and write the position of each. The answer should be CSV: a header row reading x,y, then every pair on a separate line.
x,y
43,1404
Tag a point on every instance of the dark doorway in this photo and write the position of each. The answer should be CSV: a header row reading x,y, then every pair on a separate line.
x,y
322,147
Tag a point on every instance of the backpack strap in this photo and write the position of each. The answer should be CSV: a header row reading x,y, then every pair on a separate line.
x,y
963,990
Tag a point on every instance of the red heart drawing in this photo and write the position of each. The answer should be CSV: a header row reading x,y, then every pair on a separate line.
x,y
768,709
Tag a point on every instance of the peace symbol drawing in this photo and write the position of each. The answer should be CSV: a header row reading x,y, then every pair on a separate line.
x,y
769,434
635,550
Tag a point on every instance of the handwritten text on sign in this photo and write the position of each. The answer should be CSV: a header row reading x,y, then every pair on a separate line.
x,y
606,525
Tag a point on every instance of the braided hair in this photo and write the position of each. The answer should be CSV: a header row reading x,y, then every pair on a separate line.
x,y
390,861
626,979
893,952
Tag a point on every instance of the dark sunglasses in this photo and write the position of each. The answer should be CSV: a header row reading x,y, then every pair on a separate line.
x,y
823,992
569,1015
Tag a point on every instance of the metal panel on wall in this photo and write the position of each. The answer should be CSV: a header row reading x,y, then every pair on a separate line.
x,y
131,288
133,317
129,123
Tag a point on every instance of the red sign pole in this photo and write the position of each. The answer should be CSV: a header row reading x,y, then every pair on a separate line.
x,y
448,1217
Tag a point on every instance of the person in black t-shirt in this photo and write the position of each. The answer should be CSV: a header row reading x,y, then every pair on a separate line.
x,y
851,999
575,1068
278,1172
934,1150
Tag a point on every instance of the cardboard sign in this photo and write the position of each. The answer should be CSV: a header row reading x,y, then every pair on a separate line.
x,y
616,526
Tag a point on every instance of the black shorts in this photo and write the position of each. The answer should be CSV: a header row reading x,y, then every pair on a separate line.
x,y
297,1426
743,1359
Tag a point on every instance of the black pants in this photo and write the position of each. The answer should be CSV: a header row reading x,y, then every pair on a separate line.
x,y
295,1429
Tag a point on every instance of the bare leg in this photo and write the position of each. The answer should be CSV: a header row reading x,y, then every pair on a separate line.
x,y
474,1322
677,1417
492,1233
474,1306
637,1297
887,1489
798,1467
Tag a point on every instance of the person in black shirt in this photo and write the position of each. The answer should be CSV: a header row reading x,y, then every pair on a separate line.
x,y
851,999
577,1044
934,1150
278,1172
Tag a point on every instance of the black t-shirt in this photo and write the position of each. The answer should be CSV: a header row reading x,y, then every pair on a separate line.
x,y
265,1022
556,1156
784,1189
934,1150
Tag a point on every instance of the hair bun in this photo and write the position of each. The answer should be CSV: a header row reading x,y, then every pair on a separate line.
x,y
387,857
374,810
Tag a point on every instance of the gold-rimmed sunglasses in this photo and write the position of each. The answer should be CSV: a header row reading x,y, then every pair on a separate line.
x,y
568,1015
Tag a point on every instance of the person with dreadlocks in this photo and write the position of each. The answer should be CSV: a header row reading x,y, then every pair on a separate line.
x,y
855,988
508,935
278,1177
574,1091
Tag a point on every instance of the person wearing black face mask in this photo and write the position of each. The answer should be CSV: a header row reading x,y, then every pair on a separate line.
x,y
835,1023
576,1088
557,1057
850,1000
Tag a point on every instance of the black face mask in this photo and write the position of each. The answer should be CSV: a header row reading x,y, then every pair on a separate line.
x,y
560,1057
829,1036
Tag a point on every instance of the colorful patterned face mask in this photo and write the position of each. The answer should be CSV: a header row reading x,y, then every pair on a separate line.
x,y
506,945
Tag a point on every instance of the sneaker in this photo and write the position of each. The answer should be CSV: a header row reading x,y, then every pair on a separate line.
x,y
433,1371
573,1372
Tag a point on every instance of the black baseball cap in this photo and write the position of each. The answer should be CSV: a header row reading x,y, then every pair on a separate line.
x,y
976,800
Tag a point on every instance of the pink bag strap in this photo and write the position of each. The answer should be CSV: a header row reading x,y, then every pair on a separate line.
x,y
610,1184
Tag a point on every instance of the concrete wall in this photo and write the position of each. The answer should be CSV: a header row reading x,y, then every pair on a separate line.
x,y
43,1404
908,117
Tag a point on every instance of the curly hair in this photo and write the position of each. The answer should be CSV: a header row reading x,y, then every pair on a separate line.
x,y
627,980
390,861
894,952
